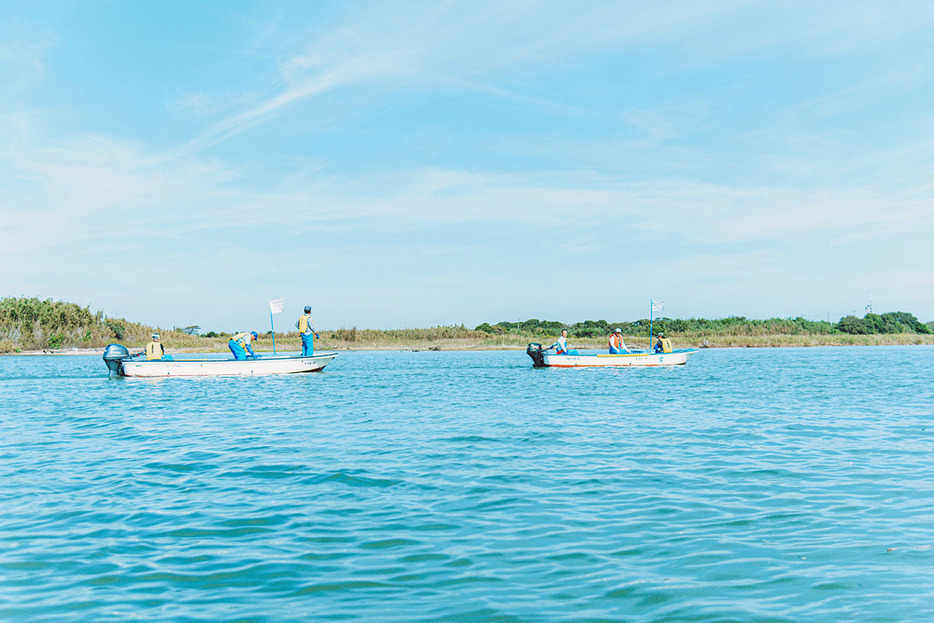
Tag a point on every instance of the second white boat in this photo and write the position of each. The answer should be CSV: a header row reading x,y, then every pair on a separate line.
x,y
542,359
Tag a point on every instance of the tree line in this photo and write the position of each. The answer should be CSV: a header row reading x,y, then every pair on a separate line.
x,y
891,322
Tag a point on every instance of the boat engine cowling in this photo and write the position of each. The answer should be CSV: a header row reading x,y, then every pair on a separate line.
x,y
114,355
534,351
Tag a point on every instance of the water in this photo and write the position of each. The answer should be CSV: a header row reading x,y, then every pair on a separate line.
x,y
749,485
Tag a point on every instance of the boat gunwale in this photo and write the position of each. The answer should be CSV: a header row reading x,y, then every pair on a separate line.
x,y
642,354
250,359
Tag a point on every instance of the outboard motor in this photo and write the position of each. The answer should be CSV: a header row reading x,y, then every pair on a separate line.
x,y
114,355
535,352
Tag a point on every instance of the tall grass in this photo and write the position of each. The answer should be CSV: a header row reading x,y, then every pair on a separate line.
x,y
35,324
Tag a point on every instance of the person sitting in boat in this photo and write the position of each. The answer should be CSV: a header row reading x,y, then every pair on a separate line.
x,y
663,345
155,350
561,346
240,344
307,331
617,345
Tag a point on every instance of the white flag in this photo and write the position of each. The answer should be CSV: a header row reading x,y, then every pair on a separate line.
x,y
658,305
275,306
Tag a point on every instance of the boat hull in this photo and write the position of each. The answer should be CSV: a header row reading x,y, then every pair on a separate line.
x,y
263,366
677,357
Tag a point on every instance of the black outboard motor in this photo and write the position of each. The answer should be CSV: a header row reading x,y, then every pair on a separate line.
x,y
535,352
114,355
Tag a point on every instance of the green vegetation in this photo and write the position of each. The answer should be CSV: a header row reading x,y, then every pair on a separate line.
x,y
889,328
35,324
30,324
892,322
871,324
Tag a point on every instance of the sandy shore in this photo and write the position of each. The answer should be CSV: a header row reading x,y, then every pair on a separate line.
x,y
62,351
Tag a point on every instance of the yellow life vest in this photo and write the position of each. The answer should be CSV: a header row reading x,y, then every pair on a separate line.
x,y
154,350
303,323
240,337
666,344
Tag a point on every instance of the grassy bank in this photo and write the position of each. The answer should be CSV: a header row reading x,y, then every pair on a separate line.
x,y
30,324
388,340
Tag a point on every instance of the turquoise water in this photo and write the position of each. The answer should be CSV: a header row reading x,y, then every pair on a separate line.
x,y
749,485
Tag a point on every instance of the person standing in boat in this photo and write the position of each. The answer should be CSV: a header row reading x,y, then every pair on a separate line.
x,y
155,349
561,346
240,344
617,345
307,331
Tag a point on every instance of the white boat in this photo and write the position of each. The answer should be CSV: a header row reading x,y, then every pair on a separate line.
x,y
645,358
119,361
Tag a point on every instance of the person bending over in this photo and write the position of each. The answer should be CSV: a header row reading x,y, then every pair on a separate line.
x,y
240,345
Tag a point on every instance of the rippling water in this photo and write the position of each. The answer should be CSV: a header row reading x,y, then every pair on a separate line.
x,y
749,485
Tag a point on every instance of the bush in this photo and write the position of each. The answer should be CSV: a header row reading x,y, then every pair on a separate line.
x,y
853,325
116,328
344,335
906,323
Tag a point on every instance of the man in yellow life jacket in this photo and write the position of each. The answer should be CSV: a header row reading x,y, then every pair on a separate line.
x,y
663,345
155,349
239,345
617,345
307,331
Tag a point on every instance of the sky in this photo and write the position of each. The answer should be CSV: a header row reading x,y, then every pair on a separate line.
x,y
434,163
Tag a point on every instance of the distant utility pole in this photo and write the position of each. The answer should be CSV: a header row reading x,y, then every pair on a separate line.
x,y
869,306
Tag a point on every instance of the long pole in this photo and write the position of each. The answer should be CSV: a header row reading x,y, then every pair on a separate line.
x,y
273,327
651,320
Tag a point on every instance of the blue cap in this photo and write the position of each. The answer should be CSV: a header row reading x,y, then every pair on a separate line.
x,y
253,333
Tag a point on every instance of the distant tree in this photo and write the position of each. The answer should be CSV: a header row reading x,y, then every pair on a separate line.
x,y
590,328
891,322
192,330
878,324
853,325
906,322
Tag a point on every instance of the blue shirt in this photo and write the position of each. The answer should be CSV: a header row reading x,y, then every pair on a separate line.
x,y
561,344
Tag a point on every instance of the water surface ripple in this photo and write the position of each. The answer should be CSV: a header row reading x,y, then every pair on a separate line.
x,y
749,485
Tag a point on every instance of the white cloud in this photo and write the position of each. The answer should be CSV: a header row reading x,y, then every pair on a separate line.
x,y
667,172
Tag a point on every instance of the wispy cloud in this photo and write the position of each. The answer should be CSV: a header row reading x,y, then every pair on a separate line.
x,y
22,57
721,136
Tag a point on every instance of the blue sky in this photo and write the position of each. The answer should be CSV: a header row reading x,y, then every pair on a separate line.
x,y
417,164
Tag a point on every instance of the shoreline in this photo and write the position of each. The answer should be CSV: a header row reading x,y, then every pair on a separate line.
x,y
710,342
